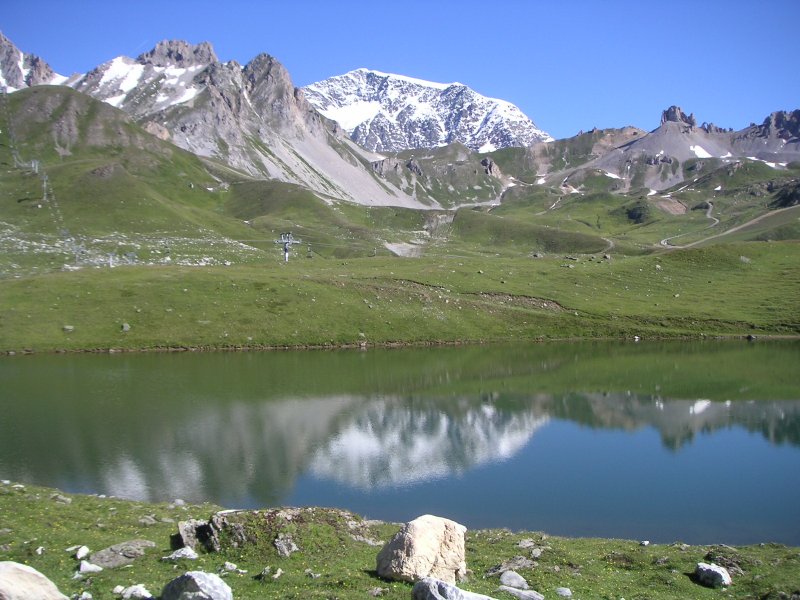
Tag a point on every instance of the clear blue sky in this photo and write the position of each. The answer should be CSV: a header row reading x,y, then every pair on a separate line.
x,y
568,64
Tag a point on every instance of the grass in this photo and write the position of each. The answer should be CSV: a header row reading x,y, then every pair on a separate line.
x,y
720,290
38,524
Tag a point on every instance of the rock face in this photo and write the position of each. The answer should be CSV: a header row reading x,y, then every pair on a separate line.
x,y
428,546
674,114
711,575
389,113
435,589
19,70
21,582
196,585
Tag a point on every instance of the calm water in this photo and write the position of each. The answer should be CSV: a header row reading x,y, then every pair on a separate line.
x,y
698,442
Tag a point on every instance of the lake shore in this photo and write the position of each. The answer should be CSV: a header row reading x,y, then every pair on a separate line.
x,y
38,525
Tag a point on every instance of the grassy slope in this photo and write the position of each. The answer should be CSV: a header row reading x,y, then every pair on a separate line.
x,y
709,291
33,517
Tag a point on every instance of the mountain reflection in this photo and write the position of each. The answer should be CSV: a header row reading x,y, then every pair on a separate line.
x,y
242,430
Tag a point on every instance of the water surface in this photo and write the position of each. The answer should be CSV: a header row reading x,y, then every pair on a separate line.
x,y
698,442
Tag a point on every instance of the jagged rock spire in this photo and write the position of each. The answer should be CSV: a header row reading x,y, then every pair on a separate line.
x,y
674,114
179,53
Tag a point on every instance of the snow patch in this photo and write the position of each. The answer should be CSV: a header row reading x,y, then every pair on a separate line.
x,y
612,175
351,116
699,152
773,165
727,155
487,147
718,188
115,100
540,181
651,192
122,72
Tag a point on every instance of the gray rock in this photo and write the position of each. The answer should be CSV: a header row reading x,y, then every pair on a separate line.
x,y
148,520
537,552
526,543
121,554
712,575
126,327
518,562
136,592
181,554
187,535
285,545
21,582
514,580
88,567
61,499
196,585
436,589
522,594
82,552
564,592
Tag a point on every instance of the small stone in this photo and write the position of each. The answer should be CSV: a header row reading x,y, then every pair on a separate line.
x,y
311,574
68,328
536,553
522,594
378,591
278,573
514,579
564,592
136,592
118,590
82,596
82,552
61,499
40,550
644,543
526,543
87,567
178,502
185,553
148,520
126,327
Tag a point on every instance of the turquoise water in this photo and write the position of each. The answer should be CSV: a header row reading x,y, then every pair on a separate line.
x,y
697,442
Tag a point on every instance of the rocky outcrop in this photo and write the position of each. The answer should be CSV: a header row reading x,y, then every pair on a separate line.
x,y
19,69
428,546
21,582
120,555
178,53
674,114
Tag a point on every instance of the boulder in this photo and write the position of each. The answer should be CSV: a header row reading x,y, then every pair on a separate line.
x,y
21,582
513,579
197,585
121,554
712,575
430,588
428,546
181,554
136,592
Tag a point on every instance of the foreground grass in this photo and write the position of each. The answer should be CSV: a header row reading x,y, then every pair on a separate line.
x,y
738,289
38,524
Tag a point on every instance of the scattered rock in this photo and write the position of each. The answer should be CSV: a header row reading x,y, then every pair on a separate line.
x,y
526,543
21,582
522,594
87,567
121,554
430,588
136,592
82,596
197,585
126,327
378,591
68,328
82,552
644,543
427,547
516,563
39,551
712,576
181,554
311,574
564,592
278,573
265,572
230,567
148,520
537,552
285,545
513,579
61,499
188,533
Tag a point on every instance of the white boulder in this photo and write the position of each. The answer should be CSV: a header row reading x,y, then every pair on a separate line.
x,y
21,582
428,546
711,575
197,585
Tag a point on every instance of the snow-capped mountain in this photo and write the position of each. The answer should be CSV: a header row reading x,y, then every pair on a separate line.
x,y
20,70
389,113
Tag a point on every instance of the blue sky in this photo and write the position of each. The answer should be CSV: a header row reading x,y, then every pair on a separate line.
x,y
568,64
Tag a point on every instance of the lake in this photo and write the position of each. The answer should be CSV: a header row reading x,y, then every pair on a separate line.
x,y
666,441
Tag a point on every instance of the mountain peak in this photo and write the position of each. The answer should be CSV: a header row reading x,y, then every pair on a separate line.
x,y
385,112
179,53
674,114
19,70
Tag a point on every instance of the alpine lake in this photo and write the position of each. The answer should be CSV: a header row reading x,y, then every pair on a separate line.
x,y
664,441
